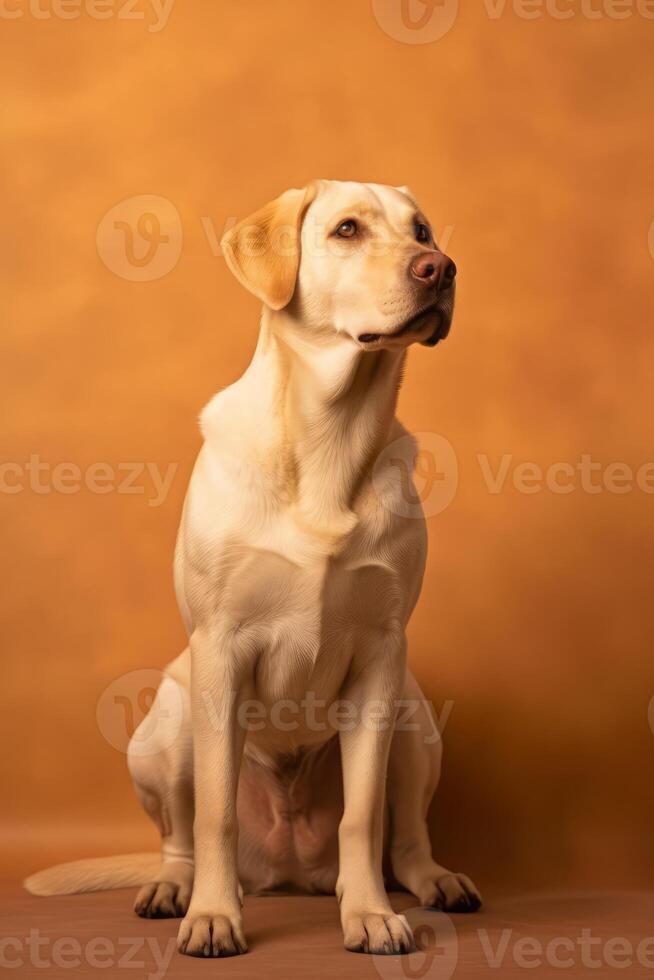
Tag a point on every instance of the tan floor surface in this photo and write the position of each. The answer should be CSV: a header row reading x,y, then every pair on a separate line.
x,y
593,934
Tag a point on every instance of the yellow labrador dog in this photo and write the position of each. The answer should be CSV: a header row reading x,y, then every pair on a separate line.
x,y
276,761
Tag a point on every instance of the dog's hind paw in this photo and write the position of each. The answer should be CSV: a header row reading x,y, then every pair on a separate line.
x,y
163,900
451,893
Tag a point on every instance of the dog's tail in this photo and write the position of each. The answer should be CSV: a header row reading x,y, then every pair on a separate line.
x,y
94,875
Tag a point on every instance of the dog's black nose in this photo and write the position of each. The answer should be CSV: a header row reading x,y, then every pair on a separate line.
x,y
433,269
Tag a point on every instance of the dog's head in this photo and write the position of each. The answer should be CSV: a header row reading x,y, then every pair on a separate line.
x,y
358,259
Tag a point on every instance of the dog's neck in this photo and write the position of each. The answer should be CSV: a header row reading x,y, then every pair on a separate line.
x,y
335,407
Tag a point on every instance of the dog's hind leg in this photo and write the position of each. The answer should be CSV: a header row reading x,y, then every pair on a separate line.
x,y
413,775
160,759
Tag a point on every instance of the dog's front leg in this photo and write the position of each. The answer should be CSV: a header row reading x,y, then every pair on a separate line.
x,y
369,924
213,926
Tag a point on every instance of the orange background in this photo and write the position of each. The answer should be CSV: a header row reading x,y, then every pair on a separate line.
x,y
533,140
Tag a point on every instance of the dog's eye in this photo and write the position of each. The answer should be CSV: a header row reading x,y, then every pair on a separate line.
x,y
423,234
347,229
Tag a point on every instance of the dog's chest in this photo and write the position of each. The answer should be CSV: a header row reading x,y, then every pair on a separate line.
x,y
306,620
294,600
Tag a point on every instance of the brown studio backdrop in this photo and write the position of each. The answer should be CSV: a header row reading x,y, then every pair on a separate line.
x,y
532,139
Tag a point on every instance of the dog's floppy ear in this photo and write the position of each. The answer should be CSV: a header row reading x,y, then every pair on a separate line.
x,y
263,251
407,192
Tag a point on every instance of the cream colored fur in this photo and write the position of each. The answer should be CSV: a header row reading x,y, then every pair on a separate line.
x,y
296,574
95,874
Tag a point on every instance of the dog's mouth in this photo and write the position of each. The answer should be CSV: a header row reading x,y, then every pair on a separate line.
x,y
414,323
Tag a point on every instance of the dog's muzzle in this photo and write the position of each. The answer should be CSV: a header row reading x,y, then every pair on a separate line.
x,y
436,273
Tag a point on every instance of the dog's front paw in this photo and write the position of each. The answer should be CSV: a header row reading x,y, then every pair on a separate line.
x,y
211,934
372,932
451,893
